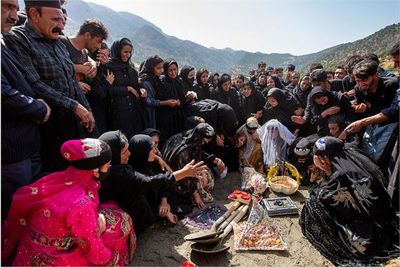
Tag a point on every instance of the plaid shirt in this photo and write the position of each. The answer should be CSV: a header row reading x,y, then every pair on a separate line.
x,y
47,67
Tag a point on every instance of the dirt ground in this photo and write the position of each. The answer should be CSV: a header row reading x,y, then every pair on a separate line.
x,y
165,246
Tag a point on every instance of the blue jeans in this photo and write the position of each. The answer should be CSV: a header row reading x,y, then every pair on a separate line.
x,y
15,175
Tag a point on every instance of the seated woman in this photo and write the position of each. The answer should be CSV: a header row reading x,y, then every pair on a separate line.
x,y
336,126
325,103
349,218
274,138
281,106
57,221
249,145
143,152
129,188
178,151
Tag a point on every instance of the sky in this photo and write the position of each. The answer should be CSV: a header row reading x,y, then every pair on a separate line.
x,y
270,26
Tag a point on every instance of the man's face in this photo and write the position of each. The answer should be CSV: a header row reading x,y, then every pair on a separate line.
x,y
50,23
92,43
339,73
9,15
365,84
279,73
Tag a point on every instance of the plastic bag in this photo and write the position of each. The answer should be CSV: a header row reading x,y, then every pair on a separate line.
x,y
253,181
258,232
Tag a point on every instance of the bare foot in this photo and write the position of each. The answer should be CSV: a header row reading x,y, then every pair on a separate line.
x,y
171,218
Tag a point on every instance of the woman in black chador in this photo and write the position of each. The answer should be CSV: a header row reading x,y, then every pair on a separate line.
x,y
131,188
178,151
127,111
349,217
170,120
281,106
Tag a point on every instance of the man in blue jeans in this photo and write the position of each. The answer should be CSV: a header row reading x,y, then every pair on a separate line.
x,y
20,116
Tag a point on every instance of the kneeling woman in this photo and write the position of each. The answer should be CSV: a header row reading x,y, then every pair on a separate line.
x,y
178,151
57,220
348,217
129,188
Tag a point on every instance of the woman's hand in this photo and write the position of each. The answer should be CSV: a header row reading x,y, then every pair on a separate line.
x,y
192,169
164,207
330,111
198,200
220,164
143,93
110,77
133,91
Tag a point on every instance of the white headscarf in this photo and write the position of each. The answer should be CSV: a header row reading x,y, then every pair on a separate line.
x,y
274,138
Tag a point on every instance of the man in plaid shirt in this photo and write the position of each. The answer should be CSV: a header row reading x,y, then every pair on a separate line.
x,y
51,74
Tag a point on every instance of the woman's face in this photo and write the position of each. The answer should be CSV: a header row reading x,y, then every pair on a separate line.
x,y
191,75
126,52
240,141
225,86
270,83
262,80
152,153
246,91
204,78
172,71
215,80
334,129
305,84
125,155
239,83
272,101
322,100
158,69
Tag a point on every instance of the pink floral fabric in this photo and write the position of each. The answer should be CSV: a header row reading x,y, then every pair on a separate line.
x,y
54,221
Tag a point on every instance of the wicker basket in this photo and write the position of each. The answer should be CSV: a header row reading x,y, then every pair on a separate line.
x,y
283,184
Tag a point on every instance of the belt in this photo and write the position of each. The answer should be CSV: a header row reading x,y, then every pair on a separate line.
x,y
64,243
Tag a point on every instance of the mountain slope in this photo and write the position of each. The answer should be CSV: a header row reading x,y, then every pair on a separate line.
x,y
149,40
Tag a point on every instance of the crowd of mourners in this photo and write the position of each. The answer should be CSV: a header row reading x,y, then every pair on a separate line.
x,y
95,150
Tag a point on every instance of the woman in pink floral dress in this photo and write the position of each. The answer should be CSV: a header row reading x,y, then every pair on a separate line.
x,y
58,221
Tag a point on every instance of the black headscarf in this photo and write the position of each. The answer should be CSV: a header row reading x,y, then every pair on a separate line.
x,y
147,71
140,146
348,217
183,74
301,95
116,51
287,104
254,102
277,82
151,132
172,88
186,140
223,79
115,139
